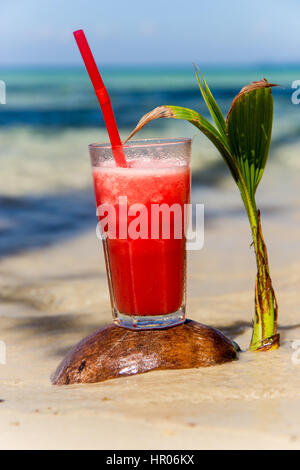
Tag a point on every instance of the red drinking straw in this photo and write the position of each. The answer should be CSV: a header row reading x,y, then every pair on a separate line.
x,y
102,96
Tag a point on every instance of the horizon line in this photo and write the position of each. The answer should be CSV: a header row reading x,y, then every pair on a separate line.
x,y
153,64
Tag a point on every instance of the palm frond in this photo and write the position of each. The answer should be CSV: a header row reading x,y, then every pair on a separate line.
x,y
212,105
177,112
249,129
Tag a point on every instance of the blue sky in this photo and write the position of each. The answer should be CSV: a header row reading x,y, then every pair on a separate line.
x,y
156,31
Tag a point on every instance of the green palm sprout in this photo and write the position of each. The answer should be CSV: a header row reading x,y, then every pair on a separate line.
x,y
243,140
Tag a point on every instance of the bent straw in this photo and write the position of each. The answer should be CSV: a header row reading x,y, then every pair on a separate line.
x,y
102,96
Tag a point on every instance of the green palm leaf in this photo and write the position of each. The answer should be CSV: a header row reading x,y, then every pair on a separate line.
x,y
249,129
212,105
177,112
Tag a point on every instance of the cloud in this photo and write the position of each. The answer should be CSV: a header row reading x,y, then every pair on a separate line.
x,y
262,27
148,28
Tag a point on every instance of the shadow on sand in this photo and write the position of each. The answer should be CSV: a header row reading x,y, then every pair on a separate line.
x,y
35,221
30,222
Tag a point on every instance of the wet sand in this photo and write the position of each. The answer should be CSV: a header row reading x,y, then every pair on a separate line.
x,y
54,296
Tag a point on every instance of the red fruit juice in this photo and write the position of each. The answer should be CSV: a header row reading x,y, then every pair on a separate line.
x,y
146,276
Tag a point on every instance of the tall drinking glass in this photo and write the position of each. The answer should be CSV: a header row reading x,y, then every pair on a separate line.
x,y
142,213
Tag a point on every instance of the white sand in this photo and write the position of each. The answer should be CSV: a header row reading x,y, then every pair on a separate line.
x,y
53,297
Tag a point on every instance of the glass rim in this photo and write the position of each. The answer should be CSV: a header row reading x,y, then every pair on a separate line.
x,y
144,143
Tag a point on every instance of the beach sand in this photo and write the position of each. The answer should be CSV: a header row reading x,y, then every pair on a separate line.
x,y
53,297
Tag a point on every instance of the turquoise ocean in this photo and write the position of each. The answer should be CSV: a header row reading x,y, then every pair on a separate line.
x,y
52,114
